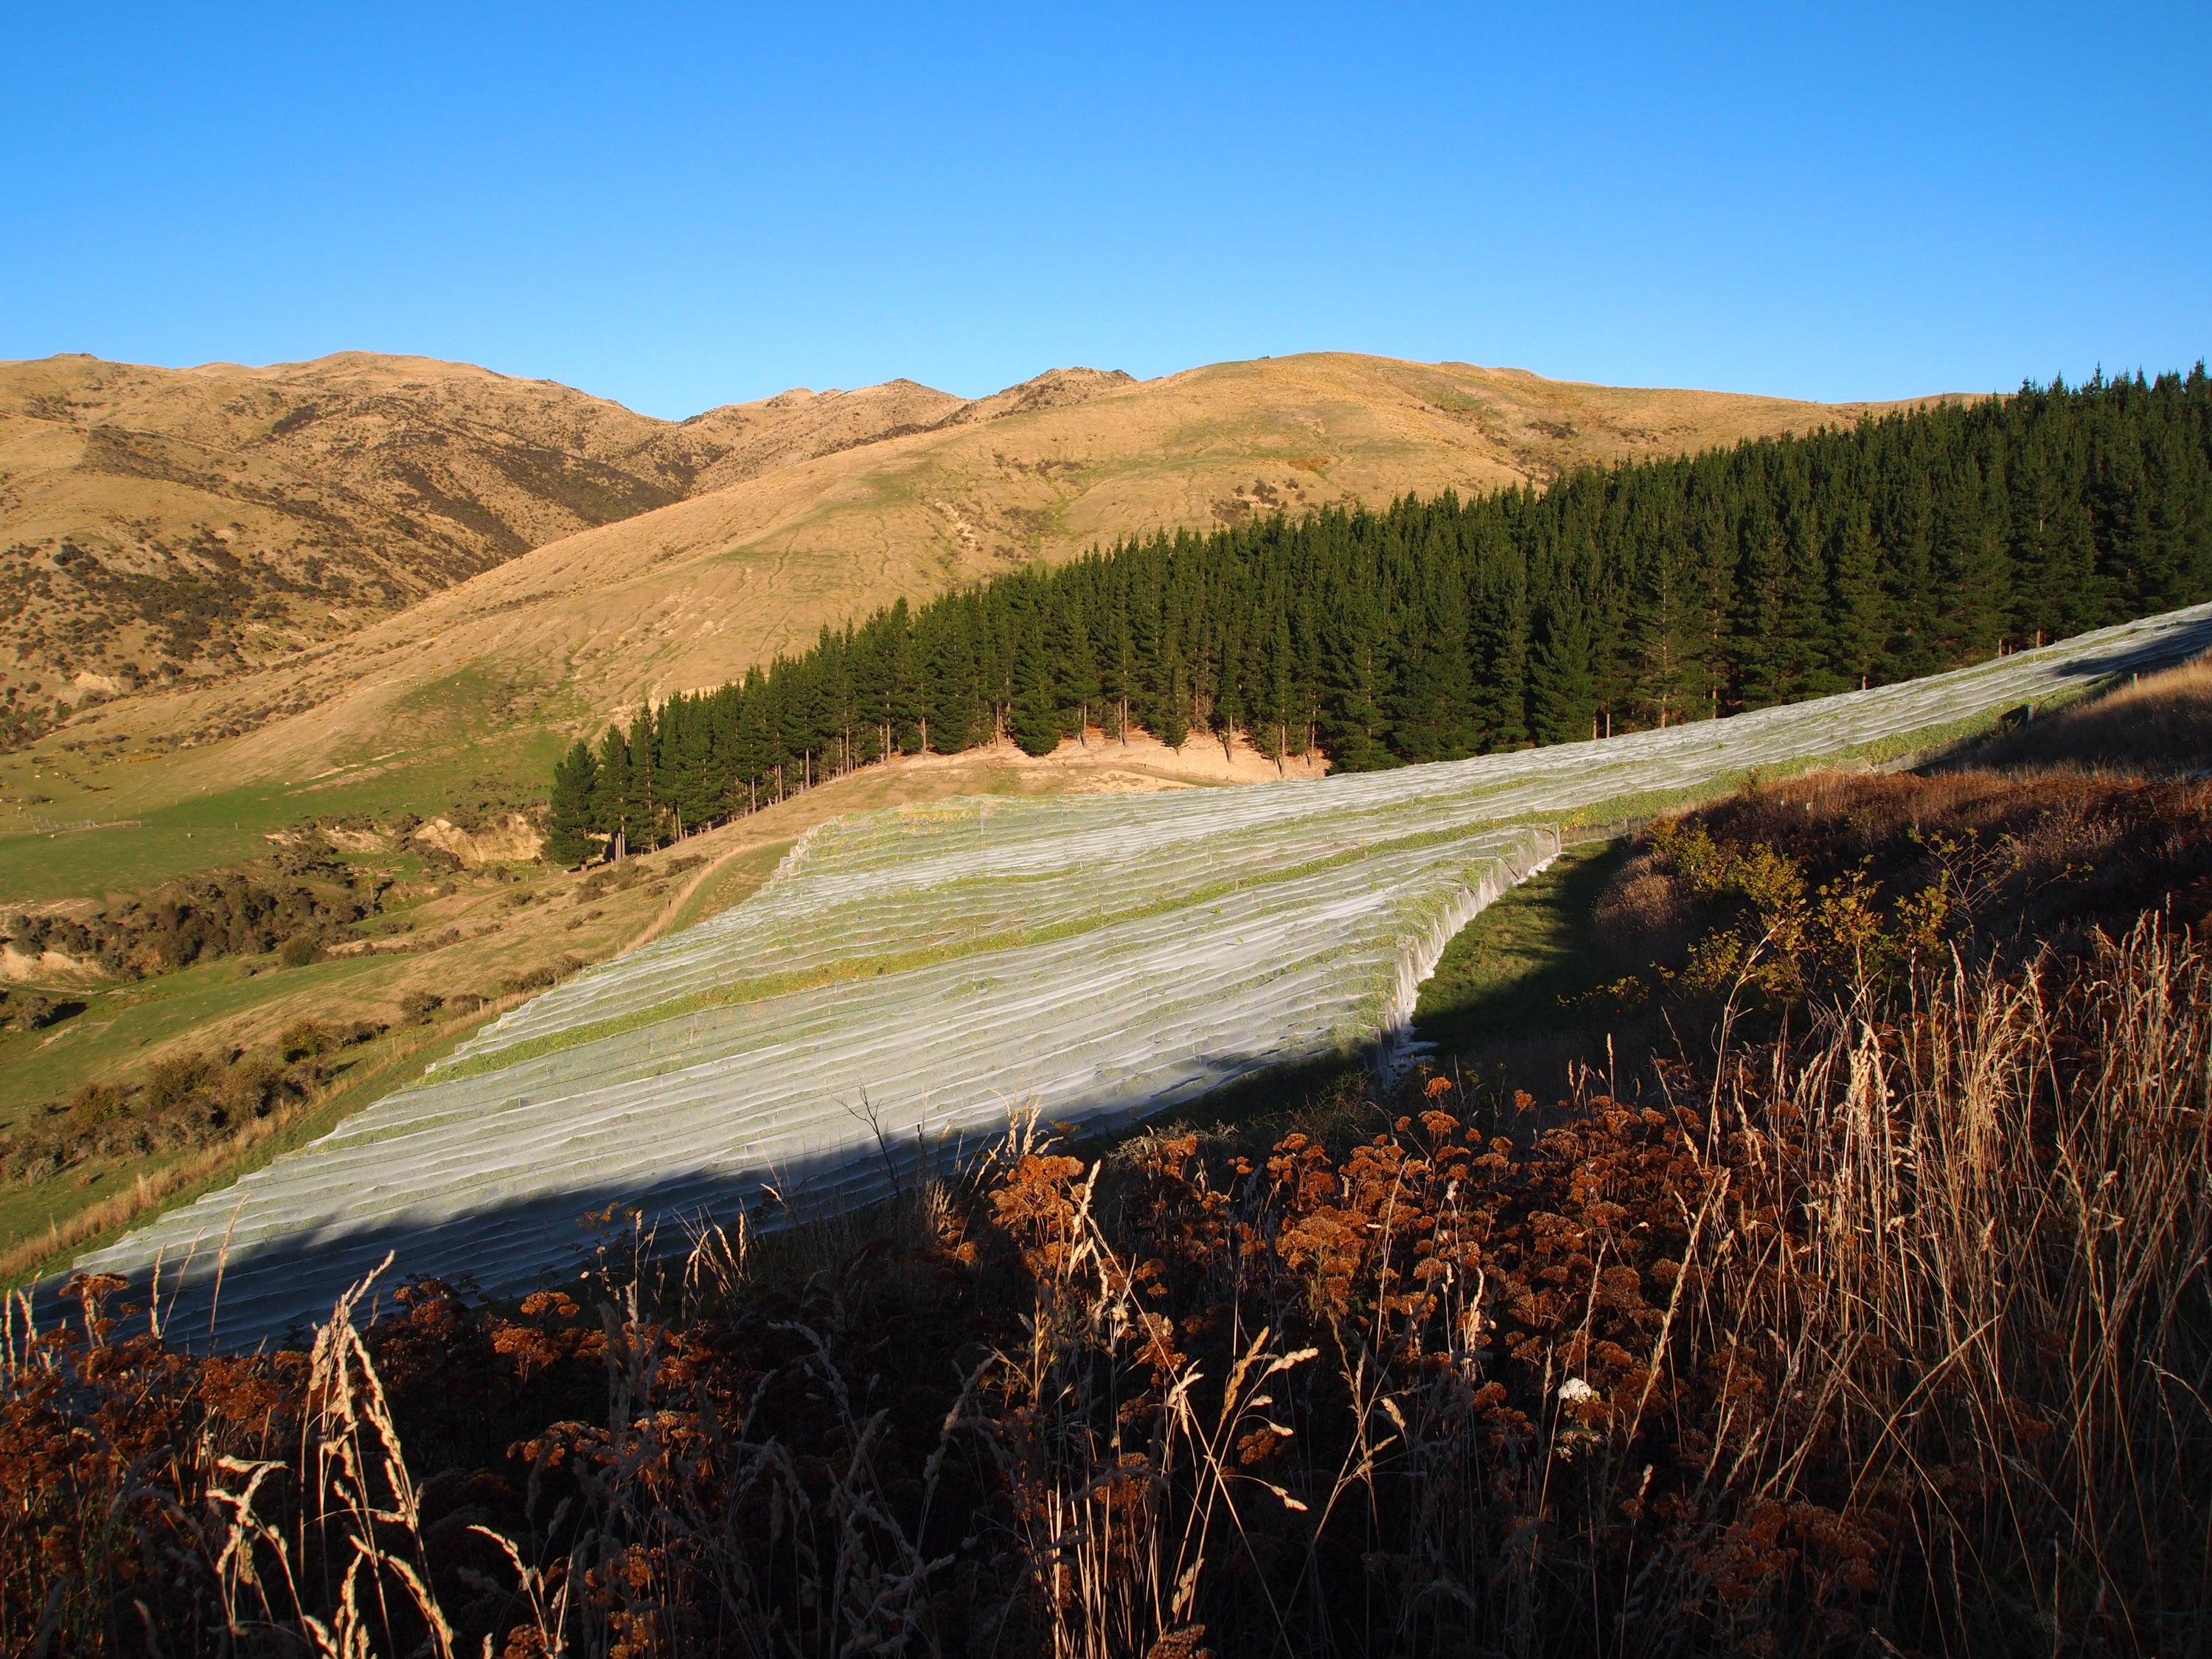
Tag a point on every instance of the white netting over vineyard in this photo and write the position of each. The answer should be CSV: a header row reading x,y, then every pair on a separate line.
x,y
909,972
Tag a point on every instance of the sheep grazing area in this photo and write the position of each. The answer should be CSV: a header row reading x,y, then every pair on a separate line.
x,y
1869,1313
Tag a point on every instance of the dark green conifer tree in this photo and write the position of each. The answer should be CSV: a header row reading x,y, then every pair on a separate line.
x,y
1858,609
1075,665
952,706
646,827
1277,706
1432,699
1563,690
1118,682
1499,636
614,806
1228,694
1036,716
575,780
1170,715
1352,725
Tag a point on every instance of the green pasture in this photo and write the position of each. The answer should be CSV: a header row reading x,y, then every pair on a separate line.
x,y
1519,963
38,1067
176,837
456,709
372,1071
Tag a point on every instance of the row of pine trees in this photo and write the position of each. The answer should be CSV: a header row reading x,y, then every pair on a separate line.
x,y
1642,596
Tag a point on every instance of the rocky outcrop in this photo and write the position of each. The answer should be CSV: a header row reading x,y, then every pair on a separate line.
x,y
511,839
45,968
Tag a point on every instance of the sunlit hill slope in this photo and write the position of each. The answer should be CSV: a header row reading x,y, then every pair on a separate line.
x,y
666,557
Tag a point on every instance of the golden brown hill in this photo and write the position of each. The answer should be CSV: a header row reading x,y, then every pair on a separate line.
x,y
690,594
165,525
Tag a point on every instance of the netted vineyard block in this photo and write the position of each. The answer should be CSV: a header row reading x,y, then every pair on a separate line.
x,y
910,974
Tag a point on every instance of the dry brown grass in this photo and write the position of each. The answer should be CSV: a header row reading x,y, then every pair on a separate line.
x,y
2159,725
305,500
1880,1323
1896,1338
1892,1335
2022,859
62,1239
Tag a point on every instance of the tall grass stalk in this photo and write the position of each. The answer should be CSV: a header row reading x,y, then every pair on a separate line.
x,y
1891,1331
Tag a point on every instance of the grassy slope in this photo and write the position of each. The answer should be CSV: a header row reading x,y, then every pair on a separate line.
x,y
371,1071
309,498
176,836
730,882
1515,967
219,1005
216,1006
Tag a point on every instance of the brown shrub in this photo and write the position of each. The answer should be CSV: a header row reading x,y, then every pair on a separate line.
x,y
2018,862
1643,914
303,1039
181,1083
182,1103
1890,1332
96,1103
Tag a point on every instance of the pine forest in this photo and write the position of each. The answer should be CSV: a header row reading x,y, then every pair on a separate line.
x,y
1610,601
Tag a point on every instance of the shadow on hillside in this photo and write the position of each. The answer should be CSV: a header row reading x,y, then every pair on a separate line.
x,y
275,1292
2154,724
2163,649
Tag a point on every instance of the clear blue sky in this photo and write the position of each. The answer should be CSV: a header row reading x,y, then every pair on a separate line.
x,y
680,208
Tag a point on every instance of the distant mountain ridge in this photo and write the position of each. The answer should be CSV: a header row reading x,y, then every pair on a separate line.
x,y
363,537
166,525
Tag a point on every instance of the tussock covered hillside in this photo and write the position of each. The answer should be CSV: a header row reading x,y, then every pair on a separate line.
x,y
663,556
165,525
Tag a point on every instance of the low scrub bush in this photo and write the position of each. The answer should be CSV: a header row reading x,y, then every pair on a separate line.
x,y
1804,885
32,1010
235,913
183,1102
540,978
